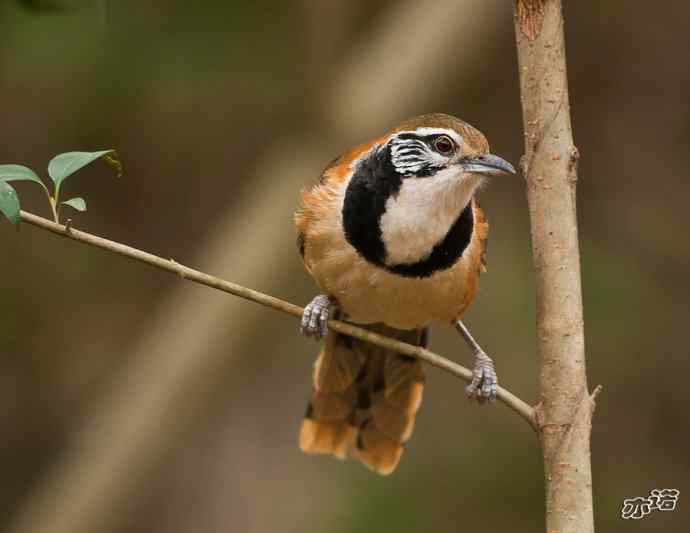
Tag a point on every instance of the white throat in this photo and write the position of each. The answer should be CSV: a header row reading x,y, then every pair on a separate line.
x,y
420,215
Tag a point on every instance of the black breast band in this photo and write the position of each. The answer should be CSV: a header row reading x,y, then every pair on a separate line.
x,y
374,181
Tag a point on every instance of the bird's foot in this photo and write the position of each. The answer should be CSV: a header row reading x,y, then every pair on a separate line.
x,y
484,380
315,317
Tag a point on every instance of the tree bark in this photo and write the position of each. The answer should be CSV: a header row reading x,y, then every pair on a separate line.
x,y
550,167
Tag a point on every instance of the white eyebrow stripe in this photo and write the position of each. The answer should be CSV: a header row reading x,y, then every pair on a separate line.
x,y
435,131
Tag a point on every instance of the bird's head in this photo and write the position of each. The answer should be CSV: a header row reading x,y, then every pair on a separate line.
x,y
442,146
407,206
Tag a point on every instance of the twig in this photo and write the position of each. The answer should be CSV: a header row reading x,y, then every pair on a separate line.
x,y
169,265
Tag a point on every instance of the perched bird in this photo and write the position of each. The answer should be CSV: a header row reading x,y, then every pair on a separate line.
x,y
395,240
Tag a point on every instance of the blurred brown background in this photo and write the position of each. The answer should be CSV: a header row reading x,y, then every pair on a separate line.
x,y
131,401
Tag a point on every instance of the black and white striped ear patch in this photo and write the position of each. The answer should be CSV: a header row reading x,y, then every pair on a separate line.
x,y
409,154
412,152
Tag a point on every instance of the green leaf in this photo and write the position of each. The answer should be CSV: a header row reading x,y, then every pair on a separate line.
x,y
18,173
9,203
76,203
64,165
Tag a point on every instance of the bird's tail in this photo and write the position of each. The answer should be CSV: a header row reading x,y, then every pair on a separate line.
x,y
364,399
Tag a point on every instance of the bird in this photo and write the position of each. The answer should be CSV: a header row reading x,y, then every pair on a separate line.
x,y
395,239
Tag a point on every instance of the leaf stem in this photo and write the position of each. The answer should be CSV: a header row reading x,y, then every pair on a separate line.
x,y
54,208
57,194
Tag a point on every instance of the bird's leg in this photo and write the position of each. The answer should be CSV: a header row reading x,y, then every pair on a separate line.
x,y
315,317
484,380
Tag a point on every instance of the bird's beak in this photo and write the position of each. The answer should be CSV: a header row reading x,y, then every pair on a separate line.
x,y
488,164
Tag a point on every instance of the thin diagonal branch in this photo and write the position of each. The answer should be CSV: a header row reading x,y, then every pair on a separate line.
x,y
169,265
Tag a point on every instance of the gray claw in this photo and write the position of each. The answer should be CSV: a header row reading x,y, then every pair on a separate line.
x,y
315,317
484,380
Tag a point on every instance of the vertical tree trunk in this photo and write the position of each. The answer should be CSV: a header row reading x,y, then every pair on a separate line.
x,y
550,167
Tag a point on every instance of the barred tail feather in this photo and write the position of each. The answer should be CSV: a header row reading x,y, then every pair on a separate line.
x,y
364,400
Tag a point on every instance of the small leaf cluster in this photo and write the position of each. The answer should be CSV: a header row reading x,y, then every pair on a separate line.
x,y
60,168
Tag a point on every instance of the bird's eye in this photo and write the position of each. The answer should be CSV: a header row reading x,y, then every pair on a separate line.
x,y
444,145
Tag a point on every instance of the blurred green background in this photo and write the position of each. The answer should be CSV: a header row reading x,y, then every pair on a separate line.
x,y
131,401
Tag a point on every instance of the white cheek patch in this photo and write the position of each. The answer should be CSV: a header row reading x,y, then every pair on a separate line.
x,y
422,212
